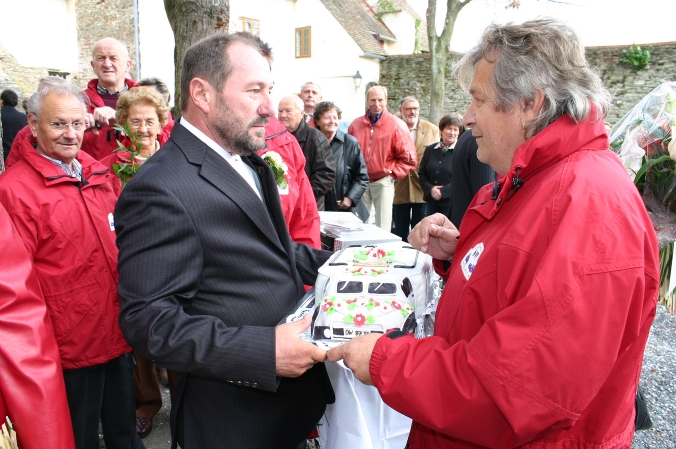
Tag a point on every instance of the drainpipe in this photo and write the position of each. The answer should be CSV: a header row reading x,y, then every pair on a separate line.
x,y
138,57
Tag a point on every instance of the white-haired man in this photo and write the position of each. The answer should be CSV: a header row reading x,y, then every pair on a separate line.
x,y
61,202
319,163
409,205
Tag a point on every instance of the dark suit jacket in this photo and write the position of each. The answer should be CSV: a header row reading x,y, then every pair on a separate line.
x,y
468,174
320,166
12,122
207,270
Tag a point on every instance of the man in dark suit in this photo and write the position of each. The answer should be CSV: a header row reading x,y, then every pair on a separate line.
x,y
207,267
12,120
469,174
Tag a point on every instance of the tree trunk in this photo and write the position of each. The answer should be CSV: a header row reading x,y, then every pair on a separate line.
x,y
192,20
439,47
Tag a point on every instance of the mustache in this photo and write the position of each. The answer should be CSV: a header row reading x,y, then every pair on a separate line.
x,y
260,121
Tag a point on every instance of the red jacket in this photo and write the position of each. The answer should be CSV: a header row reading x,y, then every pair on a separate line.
x,y
386,146
67,229
32,391
298,201
15,151
541,328
103,144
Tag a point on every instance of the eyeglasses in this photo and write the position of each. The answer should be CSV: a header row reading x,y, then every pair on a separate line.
x,y
411,109
136,124
61,126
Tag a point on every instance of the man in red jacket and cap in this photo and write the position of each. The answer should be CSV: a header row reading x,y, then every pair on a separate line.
x,y
110,61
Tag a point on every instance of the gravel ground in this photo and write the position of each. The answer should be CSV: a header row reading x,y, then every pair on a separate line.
x,y
658,380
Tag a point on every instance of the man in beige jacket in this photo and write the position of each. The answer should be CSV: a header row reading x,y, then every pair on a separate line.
x,y
409,205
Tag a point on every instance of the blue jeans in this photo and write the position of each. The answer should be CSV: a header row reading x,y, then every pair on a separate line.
x,y
406,216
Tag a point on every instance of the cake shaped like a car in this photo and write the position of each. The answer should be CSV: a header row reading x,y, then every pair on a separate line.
x,y
370,289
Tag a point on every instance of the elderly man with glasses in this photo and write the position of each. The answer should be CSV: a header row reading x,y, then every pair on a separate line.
x,y
61,202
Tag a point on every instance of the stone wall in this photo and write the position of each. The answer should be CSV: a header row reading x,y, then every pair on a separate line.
x,y
22,80
410,75
95,19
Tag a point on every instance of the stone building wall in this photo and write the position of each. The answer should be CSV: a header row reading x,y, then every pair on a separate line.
x,y
410,75
23,80
97,19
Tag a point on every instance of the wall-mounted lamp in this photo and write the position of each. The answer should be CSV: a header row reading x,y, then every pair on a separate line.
x,y
357,80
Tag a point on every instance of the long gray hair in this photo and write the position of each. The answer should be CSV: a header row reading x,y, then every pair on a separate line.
x,y
539,55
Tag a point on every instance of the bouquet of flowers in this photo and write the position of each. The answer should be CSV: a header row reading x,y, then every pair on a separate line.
x,y
643,139
8,436
278,167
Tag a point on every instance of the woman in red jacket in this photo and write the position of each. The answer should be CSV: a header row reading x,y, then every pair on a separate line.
x,y
146,113
32,391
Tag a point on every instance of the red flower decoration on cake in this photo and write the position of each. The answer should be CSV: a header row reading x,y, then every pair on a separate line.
x,y
359,319
326,306
396,305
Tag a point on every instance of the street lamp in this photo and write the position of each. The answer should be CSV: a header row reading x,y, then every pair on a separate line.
x,y
357,80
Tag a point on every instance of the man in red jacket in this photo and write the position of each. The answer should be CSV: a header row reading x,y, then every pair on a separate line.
x,y
389,152
61,202
552,284
32,392
110,61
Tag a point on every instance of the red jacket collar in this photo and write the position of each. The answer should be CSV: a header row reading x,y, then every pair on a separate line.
x,y
551,145
54,174
554,143
94,96
382,118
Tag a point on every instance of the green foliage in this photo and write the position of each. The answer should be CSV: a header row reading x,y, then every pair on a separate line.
x,y
636,57
417,47
385,7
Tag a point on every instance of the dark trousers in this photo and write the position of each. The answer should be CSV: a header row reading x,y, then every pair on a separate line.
x,y
406,216
104,392
433,209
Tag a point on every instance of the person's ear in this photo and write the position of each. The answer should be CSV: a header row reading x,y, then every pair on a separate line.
x,y
201,94
33,123
531,108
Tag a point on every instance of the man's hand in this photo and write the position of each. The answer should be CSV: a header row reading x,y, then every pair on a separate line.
x,y
346,203
356,354
105,115
294,356
436,236
436,192
90,123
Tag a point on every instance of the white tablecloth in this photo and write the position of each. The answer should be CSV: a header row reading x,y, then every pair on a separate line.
x,y
360,419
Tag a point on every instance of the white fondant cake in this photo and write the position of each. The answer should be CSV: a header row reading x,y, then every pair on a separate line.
x,y
372,289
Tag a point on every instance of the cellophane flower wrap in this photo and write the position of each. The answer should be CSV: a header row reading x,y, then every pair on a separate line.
x,y
643,139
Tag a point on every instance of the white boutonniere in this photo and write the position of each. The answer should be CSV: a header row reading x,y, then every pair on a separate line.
x,y
278,167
